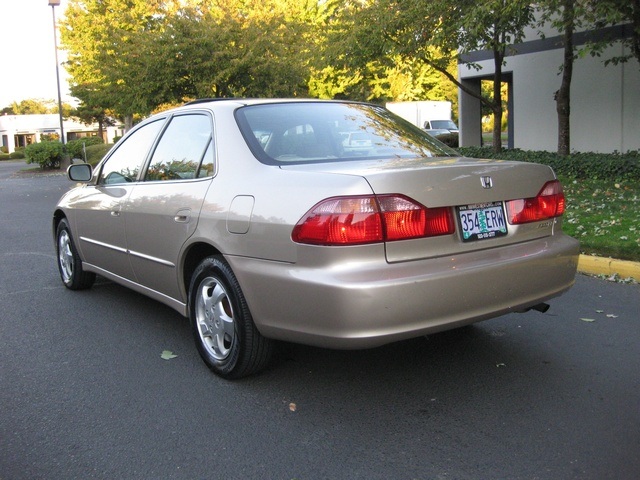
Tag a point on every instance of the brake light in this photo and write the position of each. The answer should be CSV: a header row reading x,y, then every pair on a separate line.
x,y
549,203
370,219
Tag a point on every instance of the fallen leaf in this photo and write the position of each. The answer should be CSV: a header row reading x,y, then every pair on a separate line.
x,y
611,315
293,407
167,355
588,319
599,311
501,365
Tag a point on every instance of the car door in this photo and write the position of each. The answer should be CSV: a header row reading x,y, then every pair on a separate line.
x,y
162,210
98,213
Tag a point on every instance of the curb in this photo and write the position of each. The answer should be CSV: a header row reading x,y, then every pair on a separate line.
x,y
608,266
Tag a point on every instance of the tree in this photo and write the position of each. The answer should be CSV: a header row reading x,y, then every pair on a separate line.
x,y
604,13
568,16
96,114
31,107
36,106
100,38
132,56
437,33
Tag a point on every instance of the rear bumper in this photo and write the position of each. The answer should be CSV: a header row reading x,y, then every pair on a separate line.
x,y
370,304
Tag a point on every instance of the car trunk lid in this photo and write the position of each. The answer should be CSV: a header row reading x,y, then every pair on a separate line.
x,y
457,183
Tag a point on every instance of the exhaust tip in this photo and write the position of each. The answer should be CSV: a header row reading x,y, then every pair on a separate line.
x,y
541,307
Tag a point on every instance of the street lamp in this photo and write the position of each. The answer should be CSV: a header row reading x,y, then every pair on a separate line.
x,y
53,4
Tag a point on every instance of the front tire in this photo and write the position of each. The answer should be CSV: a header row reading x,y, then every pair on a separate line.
x,y
69,263
225,335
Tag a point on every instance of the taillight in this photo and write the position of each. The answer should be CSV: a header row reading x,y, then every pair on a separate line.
x,y
549,203
370,219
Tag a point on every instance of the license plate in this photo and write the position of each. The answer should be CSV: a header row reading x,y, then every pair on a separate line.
x,y
482,221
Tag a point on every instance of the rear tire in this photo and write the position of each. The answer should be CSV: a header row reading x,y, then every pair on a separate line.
x,y
225,335
69,263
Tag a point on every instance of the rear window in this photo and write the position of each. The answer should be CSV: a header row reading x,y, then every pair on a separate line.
x,y
285,133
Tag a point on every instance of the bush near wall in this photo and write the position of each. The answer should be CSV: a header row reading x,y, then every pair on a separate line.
x,y
449,139
46,154
17,155
96,152
614,166
75,148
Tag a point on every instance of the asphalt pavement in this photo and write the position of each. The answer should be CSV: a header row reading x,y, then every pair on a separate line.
x,y
86,393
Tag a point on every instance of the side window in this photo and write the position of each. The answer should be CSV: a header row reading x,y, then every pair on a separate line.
x,y
206,168
124,164
182,149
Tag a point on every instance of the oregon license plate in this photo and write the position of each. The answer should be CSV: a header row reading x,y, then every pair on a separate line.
x,y
482,221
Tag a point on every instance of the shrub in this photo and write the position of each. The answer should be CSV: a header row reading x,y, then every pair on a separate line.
x,y
18,154
96,152
4,156
612,166
449,139
75,148
47,154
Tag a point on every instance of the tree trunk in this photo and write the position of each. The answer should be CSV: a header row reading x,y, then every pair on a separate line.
x,y
128,123
101,129
563,95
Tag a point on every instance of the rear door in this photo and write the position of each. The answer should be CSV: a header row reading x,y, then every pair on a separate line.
x,y
162,210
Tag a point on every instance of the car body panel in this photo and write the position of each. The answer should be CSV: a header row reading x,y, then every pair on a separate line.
x,y
158,230
95,214
359,301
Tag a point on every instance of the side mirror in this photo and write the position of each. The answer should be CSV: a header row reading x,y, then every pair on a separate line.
x,y
79,172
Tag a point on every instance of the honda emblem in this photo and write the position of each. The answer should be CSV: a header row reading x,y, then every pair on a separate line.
x,y
486,182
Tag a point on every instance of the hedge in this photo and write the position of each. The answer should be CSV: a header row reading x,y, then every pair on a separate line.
x,y
96,152
614,166
76,148
47,154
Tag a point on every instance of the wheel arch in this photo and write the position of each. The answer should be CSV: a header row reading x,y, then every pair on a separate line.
x,y
194,254
58,215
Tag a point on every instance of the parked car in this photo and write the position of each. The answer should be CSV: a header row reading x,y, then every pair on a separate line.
x,y
440,127
252,218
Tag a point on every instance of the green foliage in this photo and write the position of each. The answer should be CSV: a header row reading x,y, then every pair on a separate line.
x,y
96,152
34,106
604,215
17,155
131,56
46,154
75,148
616,166
449,139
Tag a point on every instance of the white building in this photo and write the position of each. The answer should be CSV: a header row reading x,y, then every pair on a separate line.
x,y
605,101
22,130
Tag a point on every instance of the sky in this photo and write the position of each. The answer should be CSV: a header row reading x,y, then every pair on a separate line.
x,y
27,54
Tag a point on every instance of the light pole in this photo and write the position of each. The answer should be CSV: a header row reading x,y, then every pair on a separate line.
x,y
54,4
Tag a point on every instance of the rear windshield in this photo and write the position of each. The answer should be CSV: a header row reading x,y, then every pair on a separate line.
x,y
285,133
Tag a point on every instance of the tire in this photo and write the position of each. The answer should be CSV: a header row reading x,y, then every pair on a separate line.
x,y
69,263
225,335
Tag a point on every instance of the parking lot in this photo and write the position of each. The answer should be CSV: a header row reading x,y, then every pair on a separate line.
x,y
86,393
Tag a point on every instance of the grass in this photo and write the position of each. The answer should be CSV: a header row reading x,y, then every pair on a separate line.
x,y
604,216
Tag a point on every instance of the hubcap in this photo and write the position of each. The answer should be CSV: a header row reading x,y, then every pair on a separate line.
x,y
65,256
214,316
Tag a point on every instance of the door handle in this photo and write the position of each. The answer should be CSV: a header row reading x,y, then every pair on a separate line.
x,y
183,216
